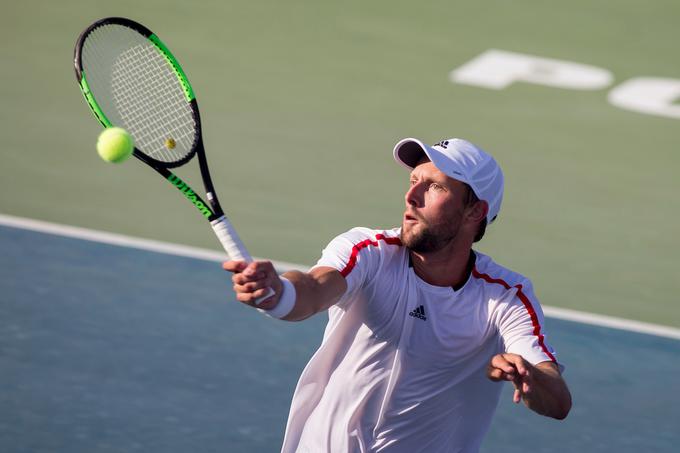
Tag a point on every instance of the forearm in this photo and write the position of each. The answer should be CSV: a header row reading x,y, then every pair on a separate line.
x,y
549,394
315,291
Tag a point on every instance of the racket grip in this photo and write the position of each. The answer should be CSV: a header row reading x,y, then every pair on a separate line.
x,y
234,247
230,240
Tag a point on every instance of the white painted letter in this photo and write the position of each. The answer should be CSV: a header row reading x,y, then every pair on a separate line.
x,y
498,69
648,95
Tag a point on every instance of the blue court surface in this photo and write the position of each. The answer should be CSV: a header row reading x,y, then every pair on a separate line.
x,y
115,349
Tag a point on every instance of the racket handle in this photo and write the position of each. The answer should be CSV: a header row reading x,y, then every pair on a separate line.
x,y
234,247
230,240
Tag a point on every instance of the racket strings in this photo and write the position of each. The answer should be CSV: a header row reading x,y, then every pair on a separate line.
x,y
135,109
137,89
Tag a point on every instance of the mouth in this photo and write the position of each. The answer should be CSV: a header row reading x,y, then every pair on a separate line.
x,y
410,218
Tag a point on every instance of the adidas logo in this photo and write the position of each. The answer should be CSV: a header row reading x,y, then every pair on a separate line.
x,y
419,313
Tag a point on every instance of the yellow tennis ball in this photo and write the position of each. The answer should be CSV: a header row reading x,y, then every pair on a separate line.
x,y
115,145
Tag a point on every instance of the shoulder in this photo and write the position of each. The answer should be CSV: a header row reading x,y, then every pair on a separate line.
x,y
489,273
363,233
370,247
514,309
507,291
361,237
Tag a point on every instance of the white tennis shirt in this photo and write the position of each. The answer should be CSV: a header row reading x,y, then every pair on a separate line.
x,y
402,364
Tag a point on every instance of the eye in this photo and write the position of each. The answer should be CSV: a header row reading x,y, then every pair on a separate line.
x,y
435,186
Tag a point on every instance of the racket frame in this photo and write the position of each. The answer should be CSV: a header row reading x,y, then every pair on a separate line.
x,y
221,225
211,210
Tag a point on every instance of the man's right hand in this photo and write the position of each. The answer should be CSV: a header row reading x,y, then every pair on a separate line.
x,y
315,291
253,280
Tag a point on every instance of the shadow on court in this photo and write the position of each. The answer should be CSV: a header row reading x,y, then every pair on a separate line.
x,y
111,349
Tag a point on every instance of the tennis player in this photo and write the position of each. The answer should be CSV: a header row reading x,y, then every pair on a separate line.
x,y
421,327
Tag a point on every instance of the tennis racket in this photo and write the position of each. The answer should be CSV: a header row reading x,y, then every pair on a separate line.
x,y
130,79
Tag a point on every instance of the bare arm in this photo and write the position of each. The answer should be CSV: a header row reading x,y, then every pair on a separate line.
x,y
540,386
316,290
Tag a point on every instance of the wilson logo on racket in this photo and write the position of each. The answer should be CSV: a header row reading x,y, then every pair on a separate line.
x,y
191,196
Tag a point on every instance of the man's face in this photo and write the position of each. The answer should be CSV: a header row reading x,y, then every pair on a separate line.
x,y
435,205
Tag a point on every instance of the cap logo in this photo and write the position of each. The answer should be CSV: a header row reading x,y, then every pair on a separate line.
x,y
443,144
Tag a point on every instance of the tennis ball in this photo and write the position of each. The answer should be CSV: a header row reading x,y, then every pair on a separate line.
x,y
115,145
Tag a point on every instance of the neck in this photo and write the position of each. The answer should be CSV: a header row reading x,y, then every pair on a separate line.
x,y
450,266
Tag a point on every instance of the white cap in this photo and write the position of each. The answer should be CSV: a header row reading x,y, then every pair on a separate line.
x,y
462,161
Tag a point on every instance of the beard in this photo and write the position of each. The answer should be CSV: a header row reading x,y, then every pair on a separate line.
x,y
426,238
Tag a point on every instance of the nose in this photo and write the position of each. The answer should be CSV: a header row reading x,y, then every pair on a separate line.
x,y
414,195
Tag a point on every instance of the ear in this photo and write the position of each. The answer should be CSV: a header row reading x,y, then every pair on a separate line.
x,y
478,211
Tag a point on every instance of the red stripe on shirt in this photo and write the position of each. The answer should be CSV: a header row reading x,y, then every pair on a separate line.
x,y
362,245
527,305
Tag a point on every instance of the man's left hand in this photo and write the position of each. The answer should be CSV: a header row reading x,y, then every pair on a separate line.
x,y
513,368
540,386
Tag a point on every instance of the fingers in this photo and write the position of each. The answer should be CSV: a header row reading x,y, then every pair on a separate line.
x,y
247,272
517,362
234,266
513,368
253,280
522,388
495,374
517,396
509,365
501,368
249,275
521,366
251,285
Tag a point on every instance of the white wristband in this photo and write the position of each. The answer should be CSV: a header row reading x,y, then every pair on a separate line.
x,y
286,301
